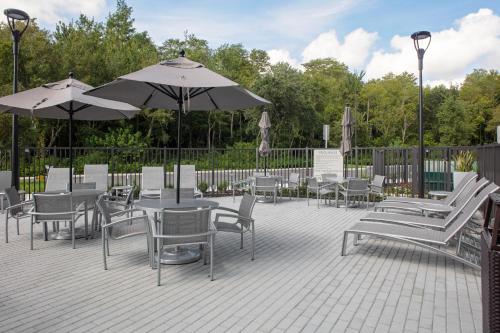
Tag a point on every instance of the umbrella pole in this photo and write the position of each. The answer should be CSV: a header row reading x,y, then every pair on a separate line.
x,y
70,146
265,165
178,180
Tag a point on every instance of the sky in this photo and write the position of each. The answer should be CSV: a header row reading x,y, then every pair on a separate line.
x,y
368,35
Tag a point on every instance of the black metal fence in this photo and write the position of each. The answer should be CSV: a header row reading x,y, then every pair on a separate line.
x,y
218,168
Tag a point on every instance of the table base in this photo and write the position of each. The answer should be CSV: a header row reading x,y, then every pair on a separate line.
x,y
179,256
265,199
65,234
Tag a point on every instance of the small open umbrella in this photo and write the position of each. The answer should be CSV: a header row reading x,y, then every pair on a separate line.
x,y
264,149
179,84
347,124
65,100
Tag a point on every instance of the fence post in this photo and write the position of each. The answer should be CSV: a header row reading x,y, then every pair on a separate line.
x,y
414,172
448,175
307,161
356,157
213,170
112,167
256,159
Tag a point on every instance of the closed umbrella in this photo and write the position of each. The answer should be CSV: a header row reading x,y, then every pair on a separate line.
x,y
264,148
179,84
347,124
65,100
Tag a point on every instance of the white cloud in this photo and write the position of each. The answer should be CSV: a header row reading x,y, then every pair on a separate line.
x,y
50,12
281,55
474,42
353,52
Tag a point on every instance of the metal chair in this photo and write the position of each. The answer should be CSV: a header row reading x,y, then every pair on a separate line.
x,y
57,180
188,178
293,184
5,182
377,186
171,193
129,226
266,185
15,208
52,207
356,188
98,174
153,180
184,227
82,186
319,190
244,221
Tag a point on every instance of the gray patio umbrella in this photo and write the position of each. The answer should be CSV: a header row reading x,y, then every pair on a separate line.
x,y
347,124
179,84
264,149
65,100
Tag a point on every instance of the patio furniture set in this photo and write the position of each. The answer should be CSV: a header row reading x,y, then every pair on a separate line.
x,y
176,232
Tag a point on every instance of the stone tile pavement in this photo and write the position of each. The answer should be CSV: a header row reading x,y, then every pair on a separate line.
x,y
298,283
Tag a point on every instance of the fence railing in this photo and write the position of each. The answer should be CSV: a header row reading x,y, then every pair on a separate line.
x,y
219,167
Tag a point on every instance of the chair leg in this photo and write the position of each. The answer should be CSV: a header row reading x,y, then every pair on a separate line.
x,y
17,226
344,243
53,226
73,232
45,231
107,245
241,240
253,241
6,226
158,262
211,257
103,236
31,234
86,217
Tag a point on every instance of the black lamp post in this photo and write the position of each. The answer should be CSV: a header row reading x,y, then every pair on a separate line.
x,y
418,38
14,16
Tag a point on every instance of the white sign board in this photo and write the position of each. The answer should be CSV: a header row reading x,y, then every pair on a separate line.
x,y
328,161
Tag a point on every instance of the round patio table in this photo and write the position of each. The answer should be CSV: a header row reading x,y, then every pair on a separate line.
x,y
182,254
86,196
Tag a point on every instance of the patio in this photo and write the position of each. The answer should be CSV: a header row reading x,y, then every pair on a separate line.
x,y
298,282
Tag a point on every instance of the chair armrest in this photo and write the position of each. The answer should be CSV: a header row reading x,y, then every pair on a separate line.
x,y
19,205
54,213
127,211
128,219
227,209
201,234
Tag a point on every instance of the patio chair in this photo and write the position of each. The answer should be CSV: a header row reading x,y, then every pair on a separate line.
x,y
470,190
188,178
82,186
16,209
326,176
5,182
356,188
243,220
376,186
183,228
266,185
430,222
53,207
57,180
97,173
449,200
293,184
117,205
117,229
153,180
319,190
242,185
171,193
423,237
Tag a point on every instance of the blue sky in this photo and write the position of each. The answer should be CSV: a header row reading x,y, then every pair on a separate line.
x,y
369,35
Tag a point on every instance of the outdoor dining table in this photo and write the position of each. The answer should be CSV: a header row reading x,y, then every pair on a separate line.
x,y
87,197
334,181
180,254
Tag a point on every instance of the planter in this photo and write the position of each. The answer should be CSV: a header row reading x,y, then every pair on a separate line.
x,y
457,177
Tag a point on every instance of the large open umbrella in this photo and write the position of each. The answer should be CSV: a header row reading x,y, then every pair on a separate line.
x,y
179,84
264,149
65,100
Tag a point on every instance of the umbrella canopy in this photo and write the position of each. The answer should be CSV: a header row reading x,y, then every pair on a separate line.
x,y
347,123
179,84
65,100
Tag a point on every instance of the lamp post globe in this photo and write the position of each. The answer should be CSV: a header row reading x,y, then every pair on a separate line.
x,y
421,41
14,17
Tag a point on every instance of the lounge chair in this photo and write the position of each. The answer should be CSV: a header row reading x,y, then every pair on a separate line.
x,y
449,200
97,173
429,222
427,238
57,180
153,180
470,190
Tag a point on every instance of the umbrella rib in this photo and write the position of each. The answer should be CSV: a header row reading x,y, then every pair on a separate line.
x,y
84,106
162,90
202,92
212,100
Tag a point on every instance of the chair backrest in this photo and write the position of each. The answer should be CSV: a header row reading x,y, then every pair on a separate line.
x,y
355,184
468,178
377,184
153,178
52,203
13,199
171,193
470,192
97,173
186,226
468,211
188,176
129,199
326,176
294,178
312,182
265,183
246,208
258,174
121,230
83,186
5,180
57,179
